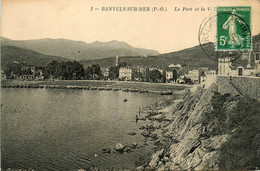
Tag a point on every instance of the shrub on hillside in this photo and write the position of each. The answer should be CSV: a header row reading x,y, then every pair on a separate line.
x,y
241,120
216,118
238,152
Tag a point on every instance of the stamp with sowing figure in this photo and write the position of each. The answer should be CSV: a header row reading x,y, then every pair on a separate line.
x,y
233,28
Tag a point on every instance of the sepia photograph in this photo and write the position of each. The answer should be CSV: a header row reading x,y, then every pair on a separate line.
x,y
130,85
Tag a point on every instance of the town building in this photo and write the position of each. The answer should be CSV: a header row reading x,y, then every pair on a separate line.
x,y
248,64
27,77
105,72
39,75
144,71
125,73
28,67
194,75
171,75
140,73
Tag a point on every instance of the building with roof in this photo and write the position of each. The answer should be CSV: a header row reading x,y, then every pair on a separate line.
x,y
105,72
171,75
248,64
126,73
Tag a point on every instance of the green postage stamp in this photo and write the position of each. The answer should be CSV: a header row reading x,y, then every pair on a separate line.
x,y
233,28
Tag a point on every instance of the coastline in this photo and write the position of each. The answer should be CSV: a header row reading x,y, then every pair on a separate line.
x,y
141,87
195,137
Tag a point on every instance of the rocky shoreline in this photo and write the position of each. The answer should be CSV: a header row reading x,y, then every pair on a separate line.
x,y
201,132
181,134
154,119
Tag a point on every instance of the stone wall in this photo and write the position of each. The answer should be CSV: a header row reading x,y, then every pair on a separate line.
x,y
248,86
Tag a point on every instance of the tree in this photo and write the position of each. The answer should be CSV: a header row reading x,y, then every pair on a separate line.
x,y
187,80
51,69
65,70
138,76
122,64
93,72
11,69
155,76
113,72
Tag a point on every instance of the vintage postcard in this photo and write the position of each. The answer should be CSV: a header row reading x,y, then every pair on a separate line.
x,y
130,85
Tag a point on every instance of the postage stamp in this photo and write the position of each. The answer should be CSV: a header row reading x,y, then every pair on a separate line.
x,y
233,28
207,37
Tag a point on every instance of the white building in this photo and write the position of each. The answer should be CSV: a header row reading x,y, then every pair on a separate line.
x,y
224,66
105,72
126,73
171,75
246,65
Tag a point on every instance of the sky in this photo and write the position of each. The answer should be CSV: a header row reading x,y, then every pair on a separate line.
x,y
164,31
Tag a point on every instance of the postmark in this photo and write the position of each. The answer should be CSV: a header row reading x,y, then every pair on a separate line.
x,y
209,39
233,28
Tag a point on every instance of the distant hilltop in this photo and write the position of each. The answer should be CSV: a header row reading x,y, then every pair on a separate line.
x,y
79,50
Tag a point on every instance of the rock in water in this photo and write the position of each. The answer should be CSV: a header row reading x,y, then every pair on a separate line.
x,y
145,133
131,133
154,136
128,149
106,150
140,168
142,127
119,147
135,144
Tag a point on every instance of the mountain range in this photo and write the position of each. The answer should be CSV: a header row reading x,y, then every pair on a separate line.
x,y
43,51
78,50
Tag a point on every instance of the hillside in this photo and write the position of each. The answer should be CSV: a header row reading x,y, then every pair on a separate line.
x,y
78,50
12,53
206,131
193,57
